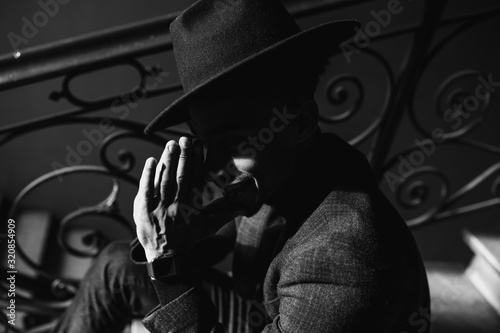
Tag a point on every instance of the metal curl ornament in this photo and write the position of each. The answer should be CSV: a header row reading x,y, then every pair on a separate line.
x,y
108,208
414,193
337,94
431,55
44,179
60,288
125,156
455,97
444,100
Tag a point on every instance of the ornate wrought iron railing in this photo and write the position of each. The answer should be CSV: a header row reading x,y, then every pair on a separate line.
x,y
342,97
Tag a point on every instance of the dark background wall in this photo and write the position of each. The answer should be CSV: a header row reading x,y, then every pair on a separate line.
x,y
32,155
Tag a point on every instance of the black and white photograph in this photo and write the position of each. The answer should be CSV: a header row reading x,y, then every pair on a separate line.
x,y
250,166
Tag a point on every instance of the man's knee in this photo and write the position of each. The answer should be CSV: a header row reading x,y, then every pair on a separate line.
x,y
113,263
118,269
115,251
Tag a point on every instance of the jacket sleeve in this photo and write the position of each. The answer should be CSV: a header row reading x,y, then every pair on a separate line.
x,y
191,312
315,294
318,294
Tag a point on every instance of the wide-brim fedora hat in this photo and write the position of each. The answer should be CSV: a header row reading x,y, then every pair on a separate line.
x,y
214,40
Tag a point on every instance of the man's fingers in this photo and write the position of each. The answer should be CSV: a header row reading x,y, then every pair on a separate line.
x,y
146,183
184,168
160,167
168,183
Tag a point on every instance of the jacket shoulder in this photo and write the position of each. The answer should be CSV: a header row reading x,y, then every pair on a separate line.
x,y
342,219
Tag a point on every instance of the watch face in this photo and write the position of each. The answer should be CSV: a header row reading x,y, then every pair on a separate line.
x,y
162,267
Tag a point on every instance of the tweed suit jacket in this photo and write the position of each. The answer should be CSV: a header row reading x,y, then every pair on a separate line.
x,y
345,261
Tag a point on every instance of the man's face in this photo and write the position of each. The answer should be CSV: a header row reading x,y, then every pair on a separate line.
x,y
250,147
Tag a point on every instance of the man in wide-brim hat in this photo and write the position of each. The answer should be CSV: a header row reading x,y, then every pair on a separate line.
x,y
317,247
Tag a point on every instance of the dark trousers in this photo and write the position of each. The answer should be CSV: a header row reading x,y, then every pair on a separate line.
x,y
113,292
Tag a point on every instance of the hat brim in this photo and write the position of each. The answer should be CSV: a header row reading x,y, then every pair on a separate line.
x,y
330,35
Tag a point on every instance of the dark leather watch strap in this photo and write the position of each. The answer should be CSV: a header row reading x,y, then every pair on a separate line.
x,y
172,267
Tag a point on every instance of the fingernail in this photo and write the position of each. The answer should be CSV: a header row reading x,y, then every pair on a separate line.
x,y
171,148
184,142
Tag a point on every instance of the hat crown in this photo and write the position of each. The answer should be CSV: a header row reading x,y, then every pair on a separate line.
x,y
212,35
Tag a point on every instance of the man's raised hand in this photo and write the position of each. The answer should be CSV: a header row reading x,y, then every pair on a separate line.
x,y
165,188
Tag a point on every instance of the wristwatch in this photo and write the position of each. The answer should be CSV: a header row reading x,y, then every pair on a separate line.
x,y
164,268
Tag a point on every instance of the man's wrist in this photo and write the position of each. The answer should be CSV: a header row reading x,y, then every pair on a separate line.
x,y
155,254
173,276
172,267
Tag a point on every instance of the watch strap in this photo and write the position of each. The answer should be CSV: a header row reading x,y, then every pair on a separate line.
x,y
169,267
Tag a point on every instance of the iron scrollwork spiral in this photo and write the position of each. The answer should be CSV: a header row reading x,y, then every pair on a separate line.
x,y
125,156
347,91
456,97
338,94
